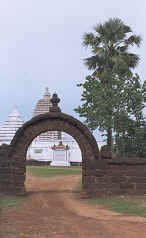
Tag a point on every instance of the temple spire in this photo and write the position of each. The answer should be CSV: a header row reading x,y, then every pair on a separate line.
x,y
43,106
9,128
47,94
14,115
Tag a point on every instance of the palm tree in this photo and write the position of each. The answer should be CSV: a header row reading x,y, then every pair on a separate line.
x,y
110,53
109,45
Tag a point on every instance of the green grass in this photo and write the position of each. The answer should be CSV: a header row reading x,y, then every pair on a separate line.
x,y
123,206
11,201
53,172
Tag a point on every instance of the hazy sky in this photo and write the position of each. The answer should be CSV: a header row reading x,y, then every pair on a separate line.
x,y
41,45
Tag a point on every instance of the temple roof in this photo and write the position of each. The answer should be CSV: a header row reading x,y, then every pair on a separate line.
x,y
43,104
47,95
9,128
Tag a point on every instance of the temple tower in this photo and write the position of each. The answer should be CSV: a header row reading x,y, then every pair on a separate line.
x,y
43,106
9,128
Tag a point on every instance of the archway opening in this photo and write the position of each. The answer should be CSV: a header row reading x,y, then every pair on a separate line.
x,y
55,149
56,160
52,154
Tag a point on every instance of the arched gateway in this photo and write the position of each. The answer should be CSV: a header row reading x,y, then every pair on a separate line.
x,y
55,120
100,176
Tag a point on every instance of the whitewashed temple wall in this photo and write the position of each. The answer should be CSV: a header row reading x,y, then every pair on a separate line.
x,y
42,150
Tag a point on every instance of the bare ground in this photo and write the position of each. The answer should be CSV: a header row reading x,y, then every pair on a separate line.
x,y
53,212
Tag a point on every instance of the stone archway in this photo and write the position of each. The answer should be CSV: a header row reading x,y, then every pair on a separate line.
x,y
55,120
100,177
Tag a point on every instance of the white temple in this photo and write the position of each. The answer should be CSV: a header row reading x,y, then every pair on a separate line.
x,y
9,128
41,147
43,151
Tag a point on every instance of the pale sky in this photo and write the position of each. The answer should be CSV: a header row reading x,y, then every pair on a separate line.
x,y
41,46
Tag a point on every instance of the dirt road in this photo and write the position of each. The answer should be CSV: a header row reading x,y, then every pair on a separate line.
x,y
53,212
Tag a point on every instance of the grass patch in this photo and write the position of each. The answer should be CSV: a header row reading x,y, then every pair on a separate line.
x,y
53,172
123,206
11,201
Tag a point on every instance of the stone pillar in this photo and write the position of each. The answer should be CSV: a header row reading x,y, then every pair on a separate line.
x,y
6,176
19,174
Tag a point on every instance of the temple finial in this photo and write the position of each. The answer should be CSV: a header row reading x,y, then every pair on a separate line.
x,y
55,100
15,107
47,94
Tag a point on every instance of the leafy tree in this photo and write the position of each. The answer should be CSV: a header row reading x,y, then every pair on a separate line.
x,y
110,104
130,138
132,142
111,89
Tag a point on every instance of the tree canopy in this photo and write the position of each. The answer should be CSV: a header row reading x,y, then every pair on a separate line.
x,y
109,46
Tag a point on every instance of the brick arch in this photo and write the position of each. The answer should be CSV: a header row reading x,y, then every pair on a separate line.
x,y
52,121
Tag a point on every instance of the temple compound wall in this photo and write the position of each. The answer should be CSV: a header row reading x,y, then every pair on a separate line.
x,y
117,177
101,176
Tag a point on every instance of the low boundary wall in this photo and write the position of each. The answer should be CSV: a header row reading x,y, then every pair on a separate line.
x,y
117,177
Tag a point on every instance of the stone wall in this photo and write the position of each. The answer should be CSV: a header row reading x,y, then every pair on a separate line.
x,y
117,177
102,177
6,180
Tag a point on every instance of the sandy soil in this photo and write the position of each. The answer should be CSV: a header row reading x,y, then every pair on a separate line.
x,y
53,212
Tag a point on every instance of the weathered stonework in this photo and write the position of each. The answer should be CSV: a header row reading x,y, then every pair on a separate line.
x,y
101,175
117,177
48,122
105,152
6,180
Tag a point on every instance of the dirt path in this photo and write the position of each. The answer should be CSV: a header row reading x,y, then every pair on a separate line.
x,y
53,212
